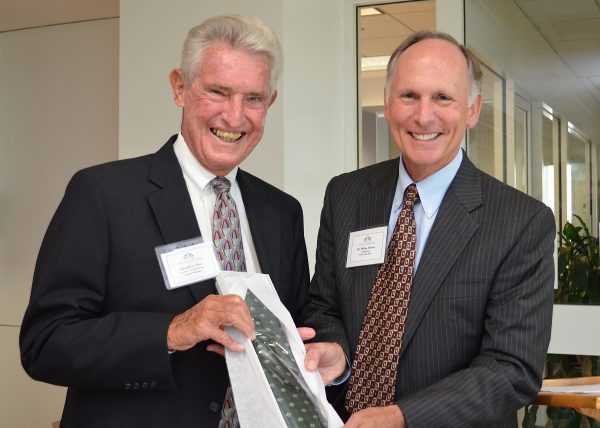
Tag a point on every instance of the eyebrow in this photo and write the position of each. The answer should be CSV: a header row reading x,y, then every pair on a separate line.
x,y
217,86
229,89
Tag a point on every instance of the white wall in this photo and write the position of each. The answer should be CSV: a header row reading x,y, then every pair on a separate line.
x,y
150,49
58,113
303,145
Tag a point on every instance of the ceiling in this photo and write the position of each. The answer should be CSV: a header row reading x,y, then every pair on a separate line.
x,y
566,34
381,34
551,48
22,14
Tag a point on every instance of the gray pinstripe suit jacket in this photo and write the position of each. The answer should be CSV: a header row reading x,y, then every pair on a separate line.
x,y
480,313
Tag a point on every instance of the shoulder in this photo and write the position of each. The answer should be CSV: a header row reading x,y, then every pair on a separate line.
x,y
160,167
372,172
359,178
382,175
119,168
495,192
114,177
252,186
506,203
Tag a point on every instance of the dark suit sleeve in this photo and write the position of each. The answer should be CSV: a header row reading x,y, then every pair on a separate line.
x,y
67,338
300,270
322,311
507,372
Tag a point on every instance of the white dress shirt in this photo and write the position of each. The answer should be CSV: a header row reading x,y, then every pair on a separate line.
x,y
197,180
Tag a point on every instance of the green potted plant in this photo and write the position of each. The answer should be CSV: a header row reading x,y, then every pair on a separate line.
x,y
578,265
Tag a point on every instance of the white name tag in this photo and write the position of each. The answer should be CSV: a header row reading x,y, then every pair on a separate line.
x,y
366,247
187,262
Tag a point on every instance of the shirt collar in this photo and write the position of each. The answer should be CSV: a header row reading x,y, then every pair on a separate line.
x,y
432,188
194,169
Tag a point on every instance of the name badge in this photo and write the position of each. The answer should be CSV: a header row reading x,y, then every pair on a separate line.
x,y
366,247
187,262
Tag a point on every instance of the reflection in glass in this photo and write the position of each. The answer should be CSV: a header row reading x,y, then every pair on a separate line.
x,y
550,149
382,28
485,145
578,181
521,142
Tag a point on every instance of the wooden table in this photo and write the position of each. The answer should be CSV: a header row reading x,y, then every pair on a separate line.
x,y
586,404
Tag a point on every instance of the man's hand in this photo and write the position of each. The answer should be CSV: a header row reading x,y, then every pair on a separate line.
x,y
206,320
328,357
377,417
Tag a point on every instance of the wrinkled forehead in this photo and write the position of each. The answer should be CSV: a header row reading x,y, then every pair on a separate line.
x,y
233,60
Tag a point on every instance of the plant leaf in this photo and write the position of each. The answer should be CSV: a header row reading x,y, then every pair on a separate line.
x,y
571,233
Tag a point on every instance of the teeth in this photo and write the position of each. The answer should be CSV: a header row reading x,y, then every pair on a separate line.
x,y
425,137
226,135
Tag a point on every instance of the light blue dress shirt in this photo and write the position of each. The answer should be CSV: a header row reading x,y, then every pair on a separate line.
x,y
431,192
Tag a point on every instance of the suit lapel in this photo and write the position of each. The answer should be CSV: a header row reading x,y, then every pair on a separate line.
x,y
373,209
172,207
451,232
264,225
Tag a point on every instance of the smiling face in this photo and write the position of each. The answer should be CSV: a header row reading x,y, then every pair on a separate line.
x,y
427,108
225,106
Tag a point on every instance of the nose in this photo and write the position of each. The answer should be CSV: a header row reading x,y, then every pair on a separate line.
x,y
234,112
424,114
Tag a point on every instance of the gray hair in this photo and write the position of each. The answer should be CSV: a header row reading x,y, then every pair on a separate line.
x,y
241,32
473,69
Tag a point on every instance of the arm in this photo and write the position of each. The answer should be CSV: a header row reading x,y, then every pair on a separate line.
x,y
67,338
507,372
99,315
300,275
322,310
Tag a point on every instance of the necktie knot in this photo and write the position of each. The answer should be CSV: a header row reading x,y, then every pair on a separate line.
x,y
411,195
220,185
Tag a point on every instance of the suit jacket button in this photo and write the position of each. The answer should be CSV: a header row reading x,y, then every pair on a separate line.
x,y
153,384
127,385
213,407
136,385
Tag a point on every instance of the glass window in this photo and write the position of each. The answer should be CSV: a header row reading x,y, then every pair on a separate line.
x,y
522,132
485,142
382,28
578,177
550,172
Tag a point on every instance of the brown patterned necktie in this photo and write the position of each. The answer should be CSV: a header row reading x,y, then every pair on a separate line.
x,y
373,379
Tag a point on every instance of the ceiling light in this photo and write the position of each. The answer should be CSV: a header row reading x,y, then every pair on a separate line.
x,y
369,11
373,63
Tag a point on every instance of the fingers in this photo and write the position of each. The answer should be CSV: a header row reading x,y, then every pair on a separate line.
x,y
328,357
306,333
221,337
313,356
217,349
377,417
206,320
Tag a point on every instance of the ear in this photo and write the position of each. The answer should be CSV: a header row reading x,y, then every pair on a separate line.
x,y
474,110
178,86
273,98
385,106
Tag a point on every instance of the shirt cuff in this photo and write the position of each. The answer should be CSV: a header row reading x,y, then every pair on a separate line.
x,y
344,376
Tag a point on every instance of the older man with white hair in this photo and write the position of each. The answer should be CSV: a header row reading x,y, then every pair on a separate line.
x,y
108,315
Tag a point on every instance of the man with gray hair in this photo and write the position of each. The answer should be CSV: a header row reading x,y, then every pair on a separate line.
x,y
120,311
433,279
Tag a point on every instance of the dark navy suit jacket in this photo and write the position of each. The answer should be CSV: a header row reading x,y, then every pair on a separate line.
x,y
99,311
